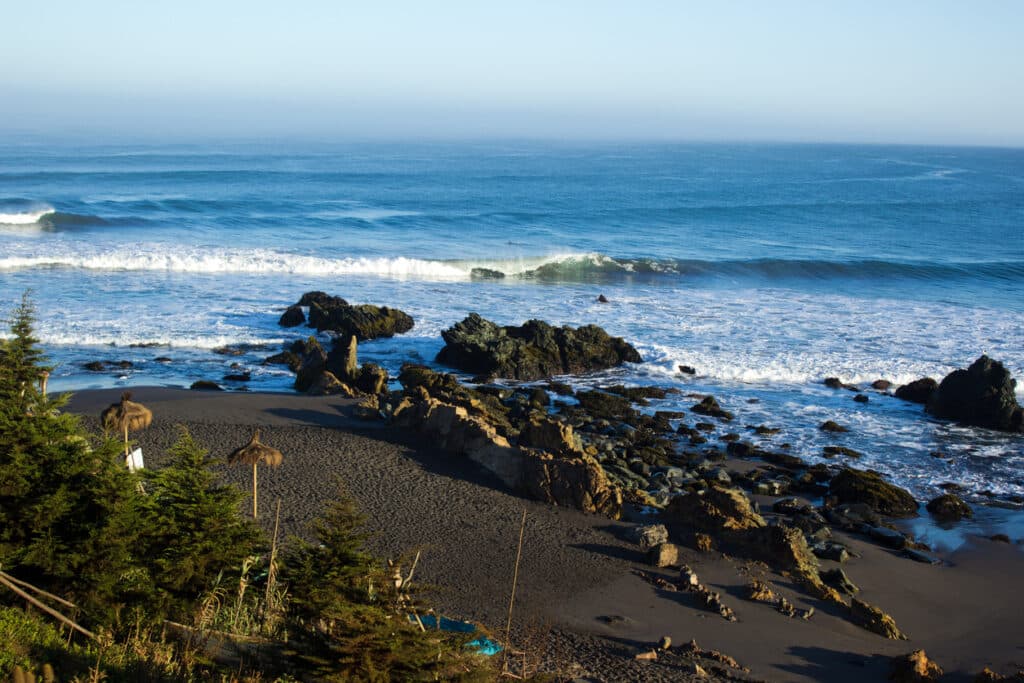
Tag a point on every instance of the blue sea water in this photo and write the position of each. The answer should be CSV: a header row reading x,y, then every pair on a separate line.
x,y
765,267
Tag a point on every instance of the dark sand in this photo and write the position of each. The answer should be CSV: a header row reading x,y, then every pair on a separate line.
x,y
967,613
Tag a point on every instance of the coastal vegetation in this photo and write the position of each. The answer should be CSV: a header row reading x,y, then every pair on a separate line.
x,y
107,574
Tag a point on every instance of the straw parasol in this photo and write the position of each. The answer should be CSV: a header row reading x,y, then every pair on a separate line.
x,y
125,416
254,453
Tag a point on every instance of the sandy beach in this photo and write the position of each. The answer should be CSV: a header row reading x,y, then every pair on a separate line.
x,y
578,587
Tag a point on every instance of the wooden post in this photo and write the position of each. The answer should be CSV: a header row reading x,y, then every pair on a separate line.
x,y
254,466
512,597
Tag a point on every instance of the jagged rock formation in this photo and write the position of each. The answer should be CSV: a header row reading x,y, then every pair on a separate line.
x,y
532,351
334,314
982,396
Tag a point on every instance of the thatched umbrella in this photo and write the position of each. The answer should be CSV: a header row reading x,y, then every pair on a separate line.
x,y
125,416
254,453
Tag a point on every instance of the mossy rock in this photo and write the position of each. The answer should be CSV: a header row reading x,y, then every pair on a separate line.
x,y
868,487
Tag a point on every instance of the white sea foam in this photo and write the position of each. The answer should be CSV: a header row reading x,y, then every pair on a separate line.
x,y
25,217
263,261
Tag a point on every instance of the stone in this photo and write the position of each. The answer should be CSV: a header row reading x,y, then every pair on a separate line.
x,y
317,297
866,486
664,643
343,358
486,274
312,364
709,406
367,409
888,537
549,435
663,555
831,426
205,385
983,395
649,536
326,384
861,398
949,507
534,350
238,377
95,366
881,384
602,299
914,668
918,391
832,451
875,620
292,317
838,579
364,321
687,370
371,379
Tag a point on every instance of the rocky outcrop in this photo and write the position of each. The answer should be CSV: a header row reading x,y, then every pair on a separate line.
x,y
868,487
875,620
949,507
918,391
547,463
320,373
292,317
914,668
532,351
981,396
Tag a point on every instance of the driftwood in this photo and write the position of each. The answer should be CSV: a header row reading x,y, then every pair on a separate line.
x,y
15,586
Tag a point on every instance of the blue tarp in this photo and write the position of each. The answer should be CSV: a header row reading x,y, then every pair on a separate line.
x,y
482,645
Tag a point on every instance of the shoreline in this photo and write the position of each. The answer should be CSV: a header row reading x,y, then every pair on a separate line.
x,y
577,569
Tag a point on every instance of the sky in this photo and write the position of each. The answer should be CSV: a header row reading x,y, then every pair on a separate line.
x,y
906,71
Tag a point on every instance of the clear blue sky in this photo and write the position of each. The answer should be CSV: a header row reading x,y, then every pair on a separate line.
x,y
895,71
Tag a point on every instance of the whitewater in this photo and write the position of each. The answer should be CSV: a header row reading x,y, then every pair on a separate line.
x,y
767,268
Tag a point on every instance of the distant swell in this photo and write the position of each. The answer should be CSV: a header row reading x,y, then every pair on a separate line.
x,y
556,268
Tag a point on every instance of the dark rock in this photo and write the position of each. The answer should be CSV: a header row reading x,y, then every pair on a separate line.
x,y
205,385
95,366
861,398
830,426
738,449
763,430
888,537
292,317
363,321
709,406
371,379
605,406
649,536
235,350
918,391
124,364
833,383
881,384
636,394
982,396
838,579
288,358
865,486
853,516
486,274
326,384
833,451
539,398
238,377
343,359
162,359
829,550
782,459
792,506
602,299
687,370
311,365
921,556
949,507
561,388
310,298
532,351
999,538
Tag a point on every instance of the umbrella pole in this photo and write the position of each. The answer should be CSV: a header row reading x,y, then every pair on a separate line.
x,y
254,465
126,443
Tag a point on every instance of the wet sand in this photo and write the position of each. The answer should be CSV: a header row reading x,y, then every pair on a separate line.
x,y
577,569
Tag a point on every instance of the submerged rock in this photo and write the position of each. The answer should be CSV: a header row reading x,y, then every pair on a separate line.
x,y
918,391
866,486
982,396
532,351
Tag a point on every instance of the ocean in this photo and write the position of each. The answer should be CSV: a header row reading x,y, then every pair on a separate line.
x,y
765,267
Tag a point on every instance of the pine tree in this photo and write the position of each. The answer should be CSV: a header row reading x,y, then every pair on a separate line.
x,y
193,525
22,362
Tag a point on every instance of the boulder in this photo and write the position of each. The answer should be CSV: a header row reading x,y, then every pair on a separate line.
x,y
486,274
866,486
326,384
949,507
914,668
317,297
343,359
292,317
875,620
663,555
312,363
649,536
831,426
371,379
363,321
205,385
881,385
982,396
709,406
918,391
532,351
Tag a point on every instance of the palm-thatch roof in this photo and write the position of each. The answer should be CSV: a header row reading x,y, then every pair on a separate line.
x,y
126,414
255,452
